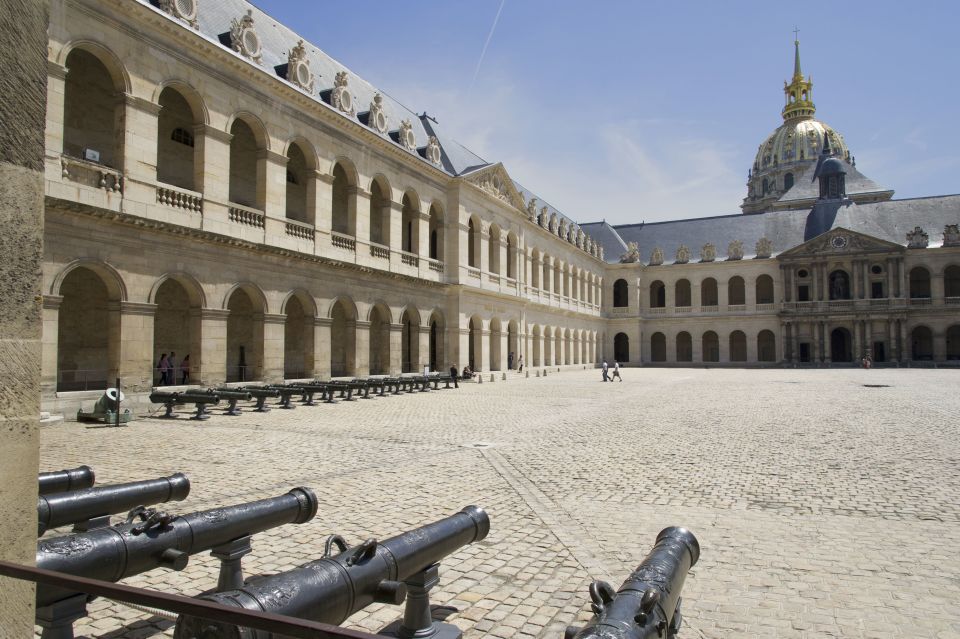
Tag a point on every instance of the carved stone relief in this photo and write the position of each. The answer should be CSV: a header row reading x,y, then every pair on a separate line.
x,y
377,120
683,254
656,257
433,150
764,247
298,68
735,250
632,255
185,10
407,138
341,98
951,235
708,253
244,38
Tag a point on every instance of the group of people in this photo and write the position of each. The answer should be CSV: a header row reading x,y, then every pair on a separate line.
x,y
168,367
609,374
519,362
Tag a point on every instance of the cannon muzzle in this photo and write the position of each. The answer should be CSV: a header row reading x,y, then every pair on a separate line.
x,y
331,589
77,507
59,481
111,554
647,606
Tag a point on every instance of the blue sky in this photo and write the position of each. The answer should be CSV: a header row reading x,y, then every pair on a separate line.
x,y
632,111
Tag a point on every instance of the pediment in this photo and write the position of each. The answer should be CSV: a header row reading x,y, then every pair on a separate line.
x,y
495,181
841,241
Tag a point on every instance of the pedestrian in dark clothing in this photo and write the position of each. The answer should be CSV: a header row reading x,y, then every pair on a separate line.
x,y
453,375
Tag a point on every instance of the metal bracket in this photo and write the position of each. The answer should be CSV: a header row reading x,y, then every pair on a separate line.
x,y
230,555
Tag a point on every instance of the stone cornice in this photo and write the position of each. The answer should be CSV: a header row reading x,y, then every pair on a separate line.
x,y
217,238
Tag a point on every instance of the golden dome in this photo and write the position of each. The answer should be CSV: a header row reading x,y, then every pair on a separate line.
x,y
792,147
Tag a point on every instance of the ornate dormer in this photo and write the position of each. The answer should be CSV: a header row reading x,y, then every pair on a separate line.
x,y
798,93
683,254
377,119
632,255
656,257
406,137
708,253
917,238
185,10
341,98
433,150
951,235
244,39
298,68
735,250
764,248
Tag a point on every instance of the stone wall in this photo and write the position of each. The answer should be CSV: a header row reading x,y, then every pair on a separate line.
x,y
23,30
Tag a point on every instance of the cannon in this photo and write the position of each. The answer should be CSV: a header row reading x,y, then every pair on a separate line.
x,y
59,481
647,605
152,539
91,508
232,396
199,398
332,588
261,394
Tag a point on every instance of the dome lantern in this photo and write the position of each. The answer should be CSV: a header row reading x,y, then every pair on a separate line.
x,y
798,94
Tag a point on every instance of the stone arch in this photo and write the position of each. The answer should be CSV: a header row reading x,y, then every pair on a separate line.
x,y
841,344
88,327
839,282
512,243
248,141
658,294
513,343
179,158
921,343
710,347
547,281
535,268
256,124
658,347
343,336
93,107
621,294
684,347
919,282
496,344
548,345
343,199
116,288
738,346
474,239
682,296
951,281
436,346
194,289
381,208
301,166
247,305
436,232
621,347
177,326
410,339
410,222
764,289
194,98
475,343
380,318
114,65
736,291
766,346
709,295
536,358
300,311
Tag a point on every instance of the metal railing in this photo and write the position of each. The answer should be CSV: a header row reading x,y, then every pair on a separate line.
x,y
180,605
82,379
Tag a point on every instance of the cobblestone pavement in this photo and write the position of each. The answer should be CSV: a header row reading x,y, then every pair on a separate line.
x,y
824,507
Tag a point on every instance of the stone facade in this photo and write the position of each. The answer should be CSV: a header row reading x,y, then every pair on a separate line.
x,y
198,203
22,93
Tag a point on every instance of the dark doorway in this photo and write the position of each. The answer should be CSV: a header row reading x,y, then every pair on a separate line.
x,y
879,352
840,345
805,352
621,347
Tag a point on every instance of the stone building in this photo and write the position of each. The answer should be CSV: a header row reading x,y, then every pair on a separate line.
x,y
822,267
217,187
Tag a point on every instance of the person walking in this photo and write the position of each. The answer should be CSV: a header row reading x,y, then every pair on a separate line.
x,y
520,364
453,375
164,367
510,361
603,370
616,371
185,369
172,376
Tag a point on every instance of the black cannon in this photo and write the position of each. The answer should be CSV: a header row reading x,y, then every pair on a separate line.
x,y
647,605
332,588
152,539
232,396
91,508
199,398
60,481
261,394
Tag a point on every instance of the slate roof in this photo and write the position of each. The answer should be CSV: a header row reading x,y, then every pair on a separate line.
x,y
806,188
276,39
889,220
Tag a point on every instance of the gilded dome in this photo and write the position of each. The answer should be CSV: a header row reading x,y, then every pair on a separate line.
x,y
792,147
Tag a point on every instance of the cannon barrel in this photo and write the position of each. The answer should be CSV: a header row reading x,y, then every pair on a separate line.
x,y
59,481
648,603
111,554
82,505
331,589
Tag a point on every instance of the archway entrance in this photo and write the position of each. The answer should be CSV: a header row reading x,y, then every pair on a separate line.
x,y
343,340
841,345
379,341
474,346
921,339
437,356
298,340
244,337
176,330
410,342
621,347
87,333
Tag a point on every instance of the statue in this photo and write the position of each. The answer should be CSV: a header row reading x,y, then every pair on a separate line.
x,y
632,255
917,238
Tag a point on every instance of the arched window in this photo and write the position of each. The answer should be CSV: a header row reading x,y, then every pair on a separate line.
x,y
91,108
380,210
766,346
436,233
658,294
176,152
297,205
711,347
621,298
684,347
621,347
921,341
919,283
340,205
764,289
511,256
736,295
244,150
788,181
708,292
658,347
410,225
493,249
473,245
682,293
951,281
738,346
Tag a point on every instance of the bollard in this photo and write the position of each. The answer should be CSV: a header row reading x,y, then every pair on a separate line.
x,y
504,377
538,373
479,378
492,378
528,374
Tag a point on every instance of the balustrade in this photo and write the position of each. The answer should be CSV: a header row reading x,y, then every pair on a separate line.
x,y
301,230
342,241
245,215
180,198
379,251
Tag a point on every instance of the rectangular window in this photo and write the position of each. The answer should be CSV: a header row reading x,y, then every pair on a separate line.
x,y
803,293
804,352
876,290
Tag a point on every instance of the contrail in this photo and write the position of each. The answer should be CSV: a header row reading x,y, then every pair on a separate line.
x,y
493,27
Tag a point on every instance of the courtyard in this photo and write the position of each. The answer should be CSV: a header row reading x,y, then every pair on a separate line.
x,y
826,502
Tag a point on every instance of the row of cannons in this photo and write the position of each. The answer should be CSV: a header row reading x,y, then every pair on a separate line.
x,y
307,393
344,579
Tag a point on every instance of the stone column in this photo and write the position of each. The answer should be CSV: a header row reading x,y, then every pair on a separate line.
x,y
396,348
320,193
423,354
422,229
936,288
890,268
212,175
210,369
274,337
49,344
786,275
56,88
272,191
902,278
892,352
140,126
905,346
361,355
857,340
135,361
461,357
359,213
696,299
321,347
